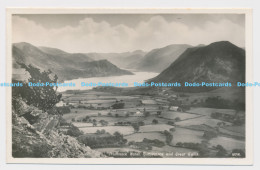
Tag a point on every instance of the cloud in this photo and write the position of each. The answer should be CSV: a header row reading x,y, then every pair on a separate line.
x,y
91,36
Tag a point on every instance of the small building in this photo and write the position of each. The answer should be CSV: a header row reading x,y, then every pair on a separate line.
x,y
60,104
173,96
174,108
138,112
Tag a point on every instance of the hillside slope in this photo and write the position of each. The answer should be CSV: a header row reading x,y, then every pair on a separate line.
x,y
66,65
122,60
217,62
159,59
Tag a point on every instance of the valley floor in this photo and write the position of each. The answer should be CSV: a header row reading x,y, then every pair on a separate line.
x,y
161,131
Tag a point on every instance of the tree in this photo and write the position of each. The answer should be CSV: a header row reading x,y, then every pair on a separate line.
x,y
94,121
155,121
221,151
74,131
141,123
136,127
103,122
169,137
172,130
86,119
171,123
147,114
118,105
117,134
177,119
44,97
103,131
210,134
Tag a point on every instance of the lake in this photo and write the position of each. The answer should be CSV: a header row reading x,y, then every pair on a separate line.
x,y
139,77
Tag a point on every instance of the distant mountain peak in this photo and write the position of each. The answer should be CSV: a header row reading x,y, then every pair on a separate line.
x,y
217,62
160,58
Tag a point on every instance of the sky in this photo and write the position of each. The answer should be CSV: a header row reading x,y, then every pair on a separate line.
x,y
104,33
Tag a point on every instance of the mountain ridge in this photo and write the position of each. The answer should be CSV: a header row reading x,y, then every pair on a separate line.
x,y
160,58
66,65
217,62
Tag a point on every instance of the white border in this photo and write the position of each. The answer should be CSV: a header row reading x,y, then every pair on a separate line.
x,y
195,161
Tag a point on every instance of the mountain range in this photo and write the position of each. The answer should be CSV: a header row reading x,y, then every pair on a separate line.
x,y
66,65
217,62
155,60
122,60
158,59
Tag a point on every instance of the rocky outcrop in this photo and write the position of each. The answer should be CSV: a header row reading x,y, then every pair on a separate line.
x,y
43,137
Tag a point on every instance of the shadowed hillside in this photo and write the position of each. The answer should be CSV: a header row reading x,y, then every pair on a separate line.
x,y
66,65
217,62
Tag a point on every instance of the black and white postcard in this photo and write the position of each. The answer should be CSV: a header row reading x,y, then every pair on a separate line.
x,y
129,86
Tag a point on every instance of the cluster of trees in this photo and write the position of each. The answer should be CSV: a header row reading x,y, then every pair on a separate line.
x,y
210,134
91,107
74,131
111,115
103,122
236,120
136,127
119,105
64,109
169,137
146,144
189,145
202,147
141,123
171,123
123,123
63,122
177,119
87,119
221,151
204,150
147,114
218,102
44,98
97,141
155,142
155,121
100,132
